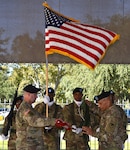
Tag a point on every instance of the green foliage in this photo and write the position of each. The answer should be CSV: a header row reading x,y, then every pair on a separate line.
x,y
3,42
103,77
64,78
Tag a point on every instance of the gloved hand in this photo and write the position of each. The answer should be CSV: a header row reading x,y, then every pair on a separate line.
x,y
76,130
61,124
3,137
48,128
46,99
98,130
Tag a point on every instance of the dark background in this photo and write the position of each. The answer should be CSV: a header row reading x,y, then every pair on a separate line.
x,y
23,23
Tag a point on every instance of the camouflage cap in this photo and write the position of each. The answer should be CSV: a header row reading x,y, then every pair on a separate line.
x,y
103,95
77,89
31,89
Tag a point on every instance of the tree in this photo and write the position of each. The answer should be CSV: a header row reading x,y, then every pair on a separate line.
x,y
65,77
107,77
3,43
27,49
6,90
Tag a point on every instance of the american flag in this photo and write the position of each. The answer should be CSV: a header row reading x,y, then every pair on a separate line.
x,y
84,43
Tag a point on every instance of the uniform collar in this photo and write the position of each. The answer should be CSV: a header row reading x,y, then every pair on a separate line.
x,y
78,103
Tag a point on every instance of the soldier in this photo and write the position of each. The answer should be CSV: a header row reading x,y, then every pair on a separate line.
x,y
112,131
77,115
51,134
29,122
9,124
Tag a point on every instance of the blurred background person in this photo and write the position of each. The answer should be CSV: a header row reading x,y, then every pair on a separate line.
x,y
10,124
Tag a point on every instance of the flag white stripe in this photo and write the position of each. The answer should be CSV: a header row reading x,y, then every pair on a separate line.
x,y
76,43
97,30
89,34
83,37
79,37
72,49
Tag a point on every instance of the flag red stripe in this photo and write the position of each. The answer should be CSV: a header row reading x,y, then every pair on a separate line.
x,y
74,46
85,36
73,54
110,32
95,48
87,30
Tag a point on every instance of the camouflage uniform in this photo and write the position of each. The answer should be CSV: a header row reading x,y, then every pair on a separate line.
x,y
112,132
12,137
29,125
78,116
94,120
51,137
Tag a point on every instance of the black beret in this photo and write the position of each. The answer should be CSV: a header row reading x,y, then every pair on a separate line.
x,y
19,98
103,95
50,90
77,89
31,89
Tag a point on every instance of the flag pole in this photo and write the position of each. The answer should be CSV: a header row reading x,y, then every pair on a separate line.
x,y
46,83
46,78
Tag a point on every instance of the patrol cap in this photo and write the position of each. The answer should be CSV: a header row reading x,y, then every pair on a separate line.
x,y
103,95
77,89
31,89
50,90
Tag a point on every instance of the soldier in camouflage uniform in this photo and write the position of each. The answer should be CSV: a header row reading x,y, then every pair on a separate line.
x,y
29,122
112,129
51,134
77,115
9,124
